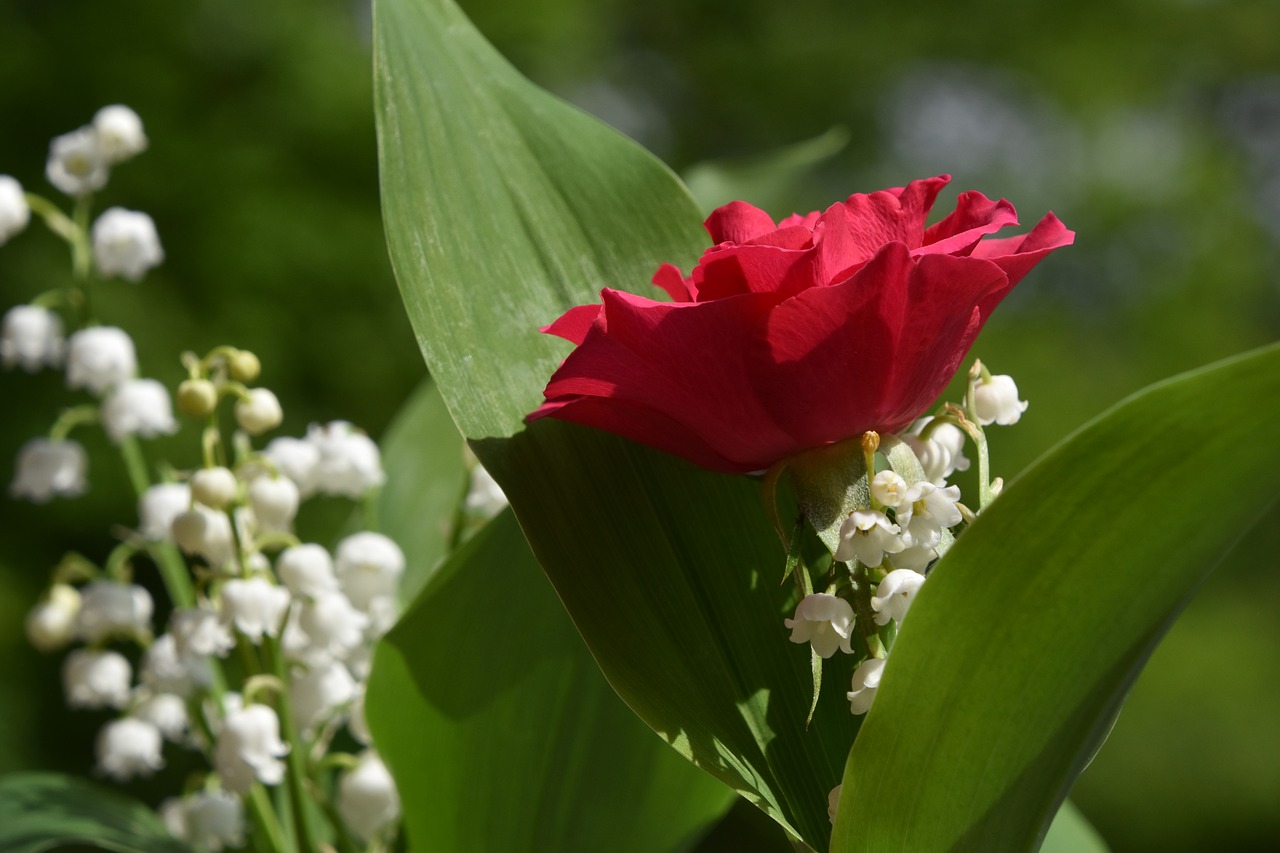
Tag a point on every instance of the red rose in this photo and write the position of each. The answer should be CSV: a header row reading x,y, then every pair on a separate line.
x,y
797,335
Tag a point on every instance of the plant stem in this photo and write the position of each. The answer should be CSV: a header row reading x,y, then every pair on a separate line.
x,y
297,758
173,570
265,817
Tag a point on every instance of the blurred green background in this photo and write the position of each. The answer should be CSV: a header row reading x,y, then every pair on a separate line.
x,y
1152,127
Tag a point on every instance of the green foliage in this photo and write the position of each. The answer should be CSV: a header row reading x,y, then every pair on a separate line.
x,y
1020,649
44,811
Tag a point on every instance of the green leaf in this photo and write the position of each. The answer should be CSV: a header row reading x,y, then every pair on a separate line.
x,y
1071,833
503,735
504,207
1021,647
43,811
426,479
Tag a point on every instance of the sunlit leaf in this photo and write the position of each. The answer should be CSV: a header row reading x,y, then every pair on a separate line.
x,y
1021,647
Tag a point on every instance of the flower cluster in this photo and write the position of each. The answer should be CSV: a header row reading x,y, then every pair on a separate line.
x,y
259,662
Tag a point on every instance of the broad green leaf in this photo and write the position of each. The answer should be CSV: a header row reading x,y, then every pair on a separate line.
x,y
426,479
44,811
502,733
504,207
1021,647
1070,832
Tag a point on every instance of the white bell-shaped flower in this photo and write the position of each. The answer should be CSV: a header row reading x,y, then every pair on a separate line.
x,y
868,535
77,164
94,678
214,487
318,691
833,802
198,632
383,611
259,411
916,556
158,507
866,679
485,497
367,797
47,467
349,463
249,749
129,747
119,133
307,570
995,401
125,244
112,609
942,453
165,670
256,607
51,623
889,488
297,459
31,338
928,510
824,620
14,211
274,501
332,623
208,820
894,595
100,358
205,533
166,711
138,407
368,565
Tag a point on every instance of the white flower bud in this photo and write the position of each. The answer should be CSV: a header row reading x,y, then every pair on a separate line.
x,y
125,244
866,679
51,623
274,501
868,535
349,463
129,747
833,802
889,489
297,459
332,623
368,565
205,533
485,497
208,820
995,401
77,164
258,412
367,797
47,467
200,633
249,749
306,570
119,133
32,338
256,606
164,670
824,620
158,507
166,711
315,693
14,211
383,611
942,454
214,487
92,678
99,358
138,407
111,609
894,595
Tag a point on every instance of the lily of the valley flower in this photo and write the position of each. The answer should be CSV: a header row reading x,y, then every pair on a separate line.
x,y
113,609
369,566
367,796
138,407
129,747
100,358
824,620
93,678
125,244
866,679
208,820
51,623
942,453
256,606
77,164
32,338
894,595
995,401
48,467
119,132
249,749
867,535
14,211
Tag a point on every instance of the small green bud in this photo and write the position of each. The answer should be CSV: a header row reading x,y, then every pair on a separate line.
x,y
243,365
197,398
